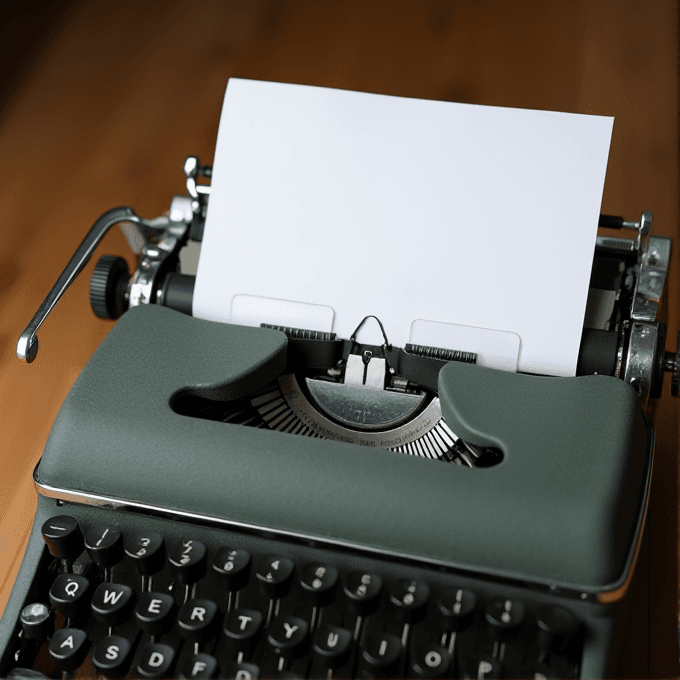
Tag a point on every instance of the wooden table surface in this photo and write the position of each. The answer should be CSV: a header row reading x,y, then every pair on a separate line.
x,y
106,100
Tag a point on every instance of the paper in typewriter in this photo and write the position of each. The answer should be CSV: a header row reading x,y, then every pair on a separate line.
x,y
328,205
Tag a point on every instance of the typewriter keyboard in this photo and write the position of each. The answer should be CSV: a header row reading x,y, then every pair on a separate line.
x,y
124,595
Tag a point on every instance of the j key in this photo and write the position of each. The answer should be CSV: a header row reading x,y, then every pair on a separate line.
x,y
68,648
320,581
243,626
409,598
199,666
105,545
154,612
275,574
188,560
233,566
432,661
63,537
381,652
112,603
332,645
504,618
457,609
112,655
155,661
363,591
37,621
198,620
288,635
241,671
147,551
68,595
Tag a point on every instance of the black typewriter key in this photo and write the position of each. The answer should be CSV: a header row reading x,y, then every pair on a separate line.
x,y
198,620
155,660
319,580
432,661
233,567
154,612
37,621
241,671
68,648
381,653
485,668
188,560
243,626
409,598
69,595
504,618
456,609
332,645
201,666
63,538
146,549
105,546
274,574
112,655
287,635
556,626
112,603
363,591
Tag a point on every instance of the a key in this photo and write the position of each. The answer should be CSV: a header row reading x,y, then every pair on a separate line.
x,y
68,648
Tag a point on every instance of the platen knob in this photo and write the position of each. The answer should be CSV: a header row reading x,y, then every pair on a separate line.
x,y
108,285
673,364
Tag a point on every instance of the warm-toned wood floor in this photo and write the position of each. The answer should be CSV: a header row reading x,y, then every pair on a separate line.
x,y
118,94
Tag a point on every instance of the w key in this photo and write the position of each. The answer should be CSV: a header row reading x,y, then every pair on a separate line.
x,y
112,603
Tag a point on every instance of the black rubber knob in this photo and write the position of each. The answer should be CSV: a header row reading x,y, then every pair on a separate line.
x,y
108,284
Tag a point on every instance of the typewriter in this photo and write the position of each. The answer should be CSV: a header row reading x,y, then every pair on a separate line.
x,y
207,507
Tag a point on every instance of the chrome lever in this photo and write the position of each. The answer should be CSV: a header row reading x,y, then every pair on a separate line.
x,y
27,346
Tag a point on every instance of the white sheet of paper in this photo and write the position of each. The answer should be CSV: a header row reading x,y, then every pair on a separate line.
x,y
406,209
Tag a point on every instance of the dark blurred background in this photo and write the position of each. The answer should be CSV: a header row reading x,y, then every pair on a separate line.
x,y
101,102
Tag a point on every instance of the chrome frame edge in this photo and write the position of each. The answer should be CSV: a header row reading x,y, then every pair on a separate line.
x,y
549,586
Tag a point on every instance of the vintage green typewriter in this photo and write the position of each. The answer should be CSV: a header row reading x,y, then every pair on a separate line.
x,y
218,500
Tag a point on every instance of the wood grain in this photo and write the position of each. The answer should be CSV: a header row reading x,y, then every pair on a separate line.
x,y
122,92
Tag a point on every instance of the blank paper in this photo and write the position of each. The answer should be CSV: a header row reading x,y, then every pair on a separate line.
x,y
331,205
